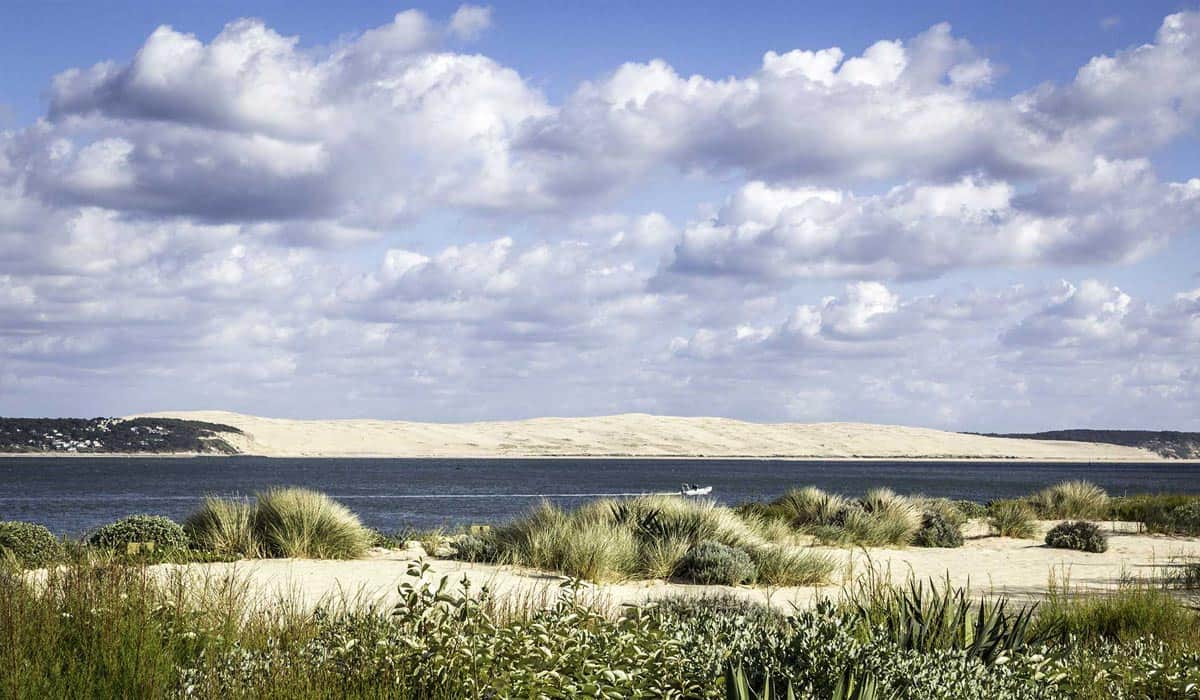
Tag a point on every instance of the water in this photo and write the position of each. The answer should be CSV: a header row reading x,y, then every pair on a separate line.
x,y
71,495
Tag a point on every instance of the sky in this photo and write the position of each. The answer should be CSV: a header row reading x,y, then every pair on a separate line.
x,y
941,214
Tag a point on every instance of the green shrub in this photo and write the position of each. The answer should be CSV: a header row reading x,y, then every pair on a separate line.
x,y
1079,535
294,522
469,547
1153,511
713,563
782,565
1011,519
1076,500
29,544
224,527
391,539
1185,519
166,534
971,510
936,531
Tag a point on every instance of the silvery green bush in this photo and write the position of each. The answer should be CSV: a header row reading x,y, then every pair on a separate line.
x,y
1079,535
166,534
29,544
715,563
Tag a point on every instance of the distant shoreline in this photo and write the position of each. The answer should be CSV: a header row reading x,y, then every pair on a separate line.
x,y
761,458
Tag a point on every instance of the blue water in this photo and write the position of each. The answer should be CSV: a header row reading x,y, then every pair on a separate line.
x,y
71,495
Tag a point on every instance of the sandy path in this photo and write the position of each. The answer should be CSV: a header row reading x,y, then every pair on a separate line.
x,y
633,435
1019,568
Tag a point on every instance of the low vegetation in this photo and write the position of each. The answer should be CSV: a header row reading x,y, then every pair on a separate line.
x,y
118,631
1077,500
28,545
280,522
650,537
108,626
162,533
1012,519
1079,535
225,526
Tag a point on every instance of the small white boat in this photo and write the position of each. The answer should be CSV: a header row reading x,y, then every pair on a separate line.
x,y
695,490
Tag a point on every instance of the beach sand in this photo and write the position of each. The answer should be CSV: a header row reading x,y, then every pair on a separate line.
x,y
1021,569
635,435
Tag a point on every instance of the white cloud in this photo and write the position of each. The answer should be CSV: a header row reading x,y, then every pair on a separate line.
x,y
395,228
469,21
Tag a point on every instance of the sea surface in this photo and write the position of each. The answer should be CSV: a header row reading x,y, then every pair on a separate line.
x,y
71,495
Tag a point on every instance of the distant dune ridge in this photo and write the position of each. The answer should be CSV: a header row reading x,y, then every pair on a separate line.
x,y
633,435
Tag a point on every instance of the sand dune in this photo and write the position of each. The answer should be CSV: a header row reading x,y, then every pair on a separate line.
x,y
635,435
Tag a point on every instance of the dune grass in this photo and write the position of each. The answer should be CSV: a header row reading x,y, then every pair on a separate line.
x,y
1012,518
294,522
648,537
280,522
1127,614
1073,500
225,527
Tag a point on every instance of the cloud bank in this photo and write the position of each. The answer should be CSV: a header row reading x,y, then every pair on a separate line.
x,y
393,226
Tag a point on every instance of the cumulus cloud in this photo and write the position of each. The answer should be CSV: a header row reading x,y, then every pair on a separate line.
x,y
398,228
469,21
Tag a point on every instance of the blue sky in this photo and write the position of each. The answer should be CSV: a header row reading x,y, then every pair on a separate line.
x,y
963,215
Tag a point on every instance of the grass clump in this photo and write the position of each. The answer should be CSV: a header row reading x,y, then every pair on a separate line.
x,y
28,545
1012,519
295,522
880,518
809,506
1129,614
1075,500
280,522
643,537
779,565
1079,535
166,534
714,563
225,527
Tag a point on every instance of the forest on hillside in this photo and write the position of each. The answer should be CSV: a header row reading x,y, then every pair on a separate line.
x,y
1168,443
104,435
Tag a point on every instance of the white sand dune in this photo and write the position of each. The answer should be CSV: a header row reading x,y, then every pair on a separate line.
x,y
634,435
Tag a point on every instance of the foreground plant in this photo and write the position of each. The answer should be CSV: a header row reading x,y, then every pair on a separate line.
x,y
1076,500
225,527
28,545
294,522
1011,519
1079,535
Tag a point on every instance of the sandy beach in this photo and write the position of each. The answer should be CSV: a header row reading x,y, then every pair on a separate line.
x,y
1022,569
635,435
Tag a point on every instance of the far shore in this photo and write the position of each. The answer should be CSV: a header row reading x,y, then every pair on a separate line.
x,y
759,458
